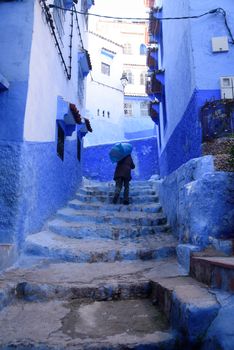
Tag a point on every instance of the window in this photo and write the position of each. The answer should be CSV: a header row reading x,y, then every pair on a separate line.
x,y
60,142
80,85
130,77
164,109
127,49
59,17
128,109
105,68
143,78
144,106
78,148
143,49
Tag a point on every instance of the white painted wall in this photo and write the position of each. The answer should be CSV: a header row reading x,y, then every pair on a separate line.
x,y
104,132
104,92
47,79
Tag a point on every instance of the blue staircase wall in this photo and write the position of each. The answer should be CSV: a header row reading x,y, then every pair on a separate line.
x,y
97,164
34,183
186,140
198,202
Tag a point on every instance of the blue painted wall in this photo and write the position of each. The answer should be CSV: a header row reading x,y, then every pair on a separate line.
x,y
177,61
9,189
97,164
192,73
185,141
210,66
16,27
139,134
35,183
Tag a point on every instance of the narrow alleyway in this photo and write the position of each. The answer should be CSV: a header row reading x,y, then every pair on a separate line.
x,y
103,276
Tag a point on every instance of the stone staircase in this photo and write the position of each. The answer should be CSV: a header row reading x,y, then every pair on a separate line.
x,y
90,229
105,276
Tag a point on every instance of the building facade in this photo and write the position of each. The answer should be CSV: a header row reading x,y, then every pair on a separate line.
x,y
188,61
43,67
137,122
118,46
104,91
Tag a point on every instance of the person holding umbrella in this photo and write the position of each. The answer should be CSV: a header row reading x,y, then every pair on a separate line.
x,y
121,153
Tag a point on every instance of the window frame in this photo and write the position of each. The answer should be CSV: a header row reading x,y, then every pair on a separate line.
x,y
128,109
143,77
105,68
81,87
130,76
127,48
144,108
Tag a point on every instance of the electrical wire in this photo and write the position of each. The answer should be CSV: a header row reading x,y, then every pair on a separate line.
x,y
218,10
97,15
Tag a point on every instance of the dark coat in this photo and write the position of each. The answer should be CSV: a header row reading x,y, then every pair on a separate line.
x,y
123,168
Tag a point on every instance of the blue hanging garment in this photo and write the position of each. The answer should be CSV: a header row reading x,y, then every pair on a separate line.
x,y
119,151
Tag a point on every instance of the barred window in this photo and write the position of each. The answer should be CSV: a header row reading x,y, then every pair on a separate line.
x,y
80,85
144,106
128,109
105,68
127,49
143,78
130,77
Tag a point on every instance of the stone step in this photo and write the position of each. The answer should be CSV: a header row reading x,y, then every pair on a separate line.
x,y
216,272
145,208
113,218
108,199
55,246
53,325
144,185
48,280
189,306
110,192
68,306
89,229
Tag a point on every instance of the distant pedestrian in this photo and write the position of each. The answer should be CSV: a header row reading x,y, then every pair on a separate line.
x,y
122,176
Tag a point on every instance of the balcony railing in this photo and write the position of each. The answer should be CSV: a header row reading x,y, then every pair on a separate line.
x,y
151,58
154,111
153,85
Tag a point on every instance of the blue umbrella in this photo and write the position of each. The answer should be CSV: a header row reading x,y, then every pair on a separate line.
x,y
119,151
